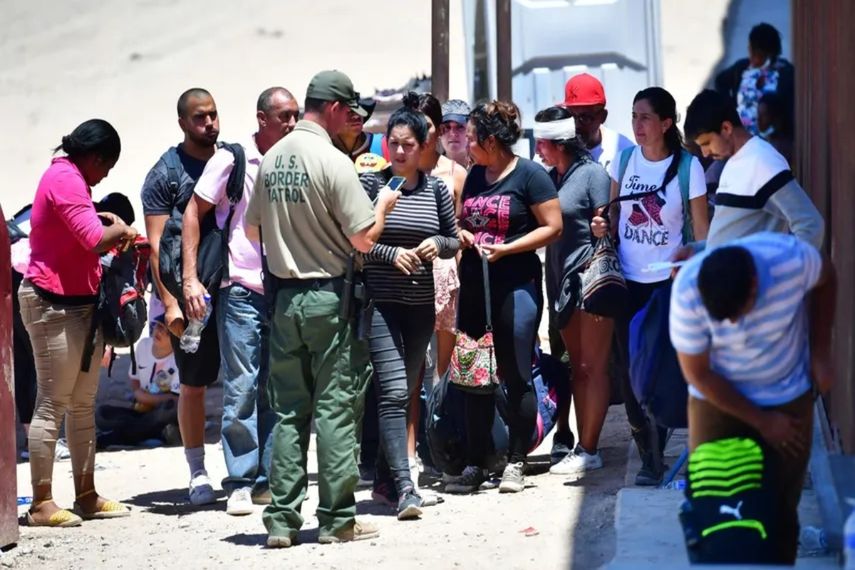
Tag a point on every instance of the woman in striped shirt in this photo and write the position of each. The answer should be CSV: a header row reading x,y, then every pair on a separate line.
x,y
399,276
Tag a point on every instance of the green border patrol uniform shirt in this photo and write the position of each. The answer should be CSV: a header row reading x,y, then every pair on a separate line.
x,y
308,201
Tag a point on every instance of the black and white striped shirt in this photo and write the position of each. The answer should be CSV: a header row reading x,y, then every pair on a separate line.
x,y
424,212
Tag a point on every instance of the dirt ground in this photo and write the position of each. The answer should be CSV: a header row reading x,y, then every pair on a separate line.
x,y
552,524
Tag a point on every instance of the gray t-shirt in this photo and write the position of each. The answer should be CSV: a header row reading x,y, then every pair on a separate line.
x,y
581,191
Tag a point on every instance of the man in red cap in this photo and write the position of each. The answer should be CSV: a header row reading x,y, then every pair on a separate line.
x,y
585,98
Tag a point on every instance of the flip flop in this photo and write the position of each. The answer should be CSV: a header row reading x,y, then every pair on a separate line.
x,y
109,510
62,518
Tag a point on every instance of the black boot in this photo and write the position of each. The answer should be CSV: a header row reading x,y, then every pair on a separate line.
x,y
652,467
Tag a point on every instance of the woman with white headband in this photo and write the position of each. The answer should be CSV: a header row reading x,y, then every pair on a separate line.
x,y
583,192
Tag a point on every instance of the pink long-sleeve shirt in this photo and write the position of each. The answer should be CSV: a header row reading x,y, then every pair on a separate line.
x,y
64,230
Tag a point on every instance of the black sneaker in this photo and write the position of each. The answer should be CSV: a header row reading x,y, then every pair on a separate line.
x,y
384,493
648,475
562,446
409,506
469,482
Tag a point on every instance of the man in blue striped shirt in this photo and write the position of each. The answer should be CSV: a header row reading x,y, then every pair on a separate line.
x,y
739,321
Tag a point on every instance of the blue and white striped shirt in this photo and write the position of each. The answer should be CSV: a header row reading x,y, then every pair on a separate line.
x,y
766,354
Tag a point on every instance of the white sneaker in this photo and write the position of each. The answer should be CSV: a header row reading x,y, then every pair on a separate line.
x,y
513,479
61,451
240,502
577,462
201,492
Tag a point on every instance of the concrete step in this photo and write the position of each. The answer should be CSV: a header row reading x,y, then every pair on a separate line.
x,y
649,535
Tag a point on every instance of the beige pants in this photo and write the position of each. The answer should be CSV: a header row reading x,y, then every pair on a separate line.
x,y
58,334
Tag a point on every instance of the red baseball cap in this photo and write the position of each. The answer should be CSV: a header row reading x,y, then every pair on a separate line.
x,y
583,89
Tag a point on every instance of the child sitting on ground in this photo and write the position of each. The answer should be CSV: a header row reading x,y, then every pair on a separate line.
x,y
153,414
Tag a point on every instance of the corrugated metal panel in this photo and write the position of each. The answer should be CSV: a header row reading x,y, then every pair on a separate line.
x,y
825,138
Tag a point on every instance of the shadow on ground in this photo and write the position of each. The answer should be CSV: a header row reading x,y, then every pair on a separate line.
x,y
260,539
592,538
172,502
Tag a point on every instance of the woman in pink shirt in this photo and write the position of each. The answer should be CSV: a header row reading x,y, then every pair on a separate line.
x,y
57,299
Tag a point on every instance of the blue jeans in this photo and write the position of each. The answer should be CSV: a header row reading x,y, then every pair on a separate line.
x,y
243,325
397,342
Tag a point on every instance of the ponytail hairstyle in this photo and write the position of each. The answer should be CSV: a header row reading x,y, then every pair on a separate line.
x,y
666,108
425,103
95,136
498,119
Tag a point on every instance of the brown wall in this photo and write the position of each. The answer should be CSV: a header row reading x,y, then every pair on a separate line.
x,y
824,56
8,450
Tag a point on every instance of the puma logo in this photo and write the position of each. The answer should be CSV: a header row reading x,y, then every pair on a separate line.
x,y
727,510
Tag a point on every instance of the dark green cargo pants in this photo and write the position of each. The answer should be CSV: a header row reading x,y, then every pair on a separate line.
x,y
317,370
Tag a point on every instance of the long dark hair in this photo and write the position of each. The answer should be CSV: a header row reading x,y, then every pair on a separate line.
x,y
95,136
665,107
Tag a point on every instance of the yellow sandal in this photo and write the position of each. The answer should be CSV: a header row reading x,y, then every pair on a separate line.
x,y
62,518
109,510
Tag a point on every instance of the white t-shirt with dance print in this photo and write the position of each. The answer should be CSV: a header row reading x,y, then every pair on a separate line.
x,y
651,229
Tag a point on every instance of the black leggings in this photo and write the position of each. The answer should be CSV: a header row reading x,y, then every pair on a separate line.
x,y
516,316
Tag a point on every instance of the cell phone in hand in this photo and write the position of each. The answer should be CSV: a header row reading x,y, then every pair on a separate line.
x,y
396,183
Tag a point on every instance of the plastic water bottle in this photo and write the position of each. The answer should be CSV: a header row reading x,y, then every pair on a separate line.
x,y
849,542
193,333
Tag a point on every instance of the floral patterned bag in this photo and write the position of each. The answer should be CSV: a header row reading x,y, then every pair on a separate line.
x,y
473,361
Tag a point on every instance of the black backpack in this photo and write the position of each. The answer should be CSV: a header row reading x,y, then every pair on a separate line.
x,y
445,427
212,256
121,311
730,515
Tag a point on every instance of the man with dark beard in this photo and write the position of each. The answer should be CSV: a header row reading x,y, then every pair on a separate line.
x,y
169,184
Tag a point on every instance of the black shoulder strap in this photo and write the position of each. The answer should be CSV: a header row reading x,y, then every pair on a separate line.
x,y
174,168
488,305
234,186
234,192
437,189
